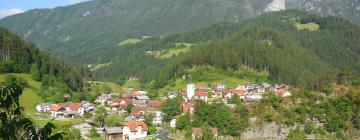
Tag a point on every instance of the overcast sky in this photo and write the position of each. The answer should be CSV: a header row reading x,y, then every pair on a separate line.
x,y
11,7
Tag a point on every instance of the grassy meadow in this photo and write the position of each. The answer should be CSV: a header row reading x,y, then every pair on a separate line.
x,y
308,26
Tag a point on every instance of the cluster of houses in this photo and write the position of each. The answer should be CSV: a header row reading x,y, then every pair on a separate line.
x,y
247,93
66,110
136,105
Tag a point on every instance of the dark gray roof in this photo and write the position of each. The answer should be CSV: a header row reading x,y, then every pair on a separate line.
x,y
113,130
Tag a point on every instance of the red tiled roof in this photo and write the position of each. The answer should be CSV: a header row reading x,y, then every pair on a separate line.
x,y
282,91
135,111
201,93
74,106
56,108
154,104
125,99
186,106
134,124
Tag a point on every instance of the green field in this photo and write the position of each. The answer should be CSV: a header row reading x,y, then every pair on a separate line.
x,y
179,48
29,98
309,26
113,86
132,84
129,41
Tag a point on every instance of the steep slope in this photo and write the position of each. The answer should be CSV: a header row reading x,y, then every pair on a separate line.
x,y
75,30
135,60
294,47
18,56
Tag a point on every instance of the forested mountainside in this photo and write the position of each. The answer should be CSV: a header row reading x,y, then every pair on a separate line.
x,y
293,47
64,31
18,56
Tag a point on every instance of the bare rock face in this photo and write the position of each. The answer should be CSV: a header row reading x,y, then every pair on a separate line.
x,y
349,9
276,5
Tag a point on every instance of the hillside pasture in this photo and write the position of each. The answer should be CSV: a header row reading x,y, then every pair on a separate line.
x,y
29,99
178,49
129,41
132,84
308,26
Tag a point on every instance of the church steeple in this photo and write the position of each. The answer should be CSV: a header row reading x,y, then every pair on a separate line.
x,y
190,90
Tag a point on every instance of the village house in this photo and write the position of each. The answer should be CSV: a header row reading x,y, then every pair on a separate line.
x,y
138,113
68,110
57,111
197,132
140,93
229,93
154,107
113,133
88,107
283,93
201,95
266,85
170,95
43,107
154,104
134,78
134,130
119,104
253,97
173,123
103,99
136,100
282,90
188,107
240,87
220,87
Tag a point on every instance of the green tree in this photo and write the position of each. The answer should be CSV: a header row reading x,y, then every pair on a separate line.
x,y
171,108
183,122
235,99
35,72
100,115
113,120
152,130
129,107
93,133
88,115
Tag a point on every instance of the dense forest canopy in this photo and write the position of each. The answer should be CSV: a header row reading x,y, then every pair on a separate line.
x,y
18,56
273,43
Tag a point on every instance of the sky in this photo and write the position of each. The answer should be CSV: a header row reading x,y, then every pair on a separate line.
x,y
11,7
